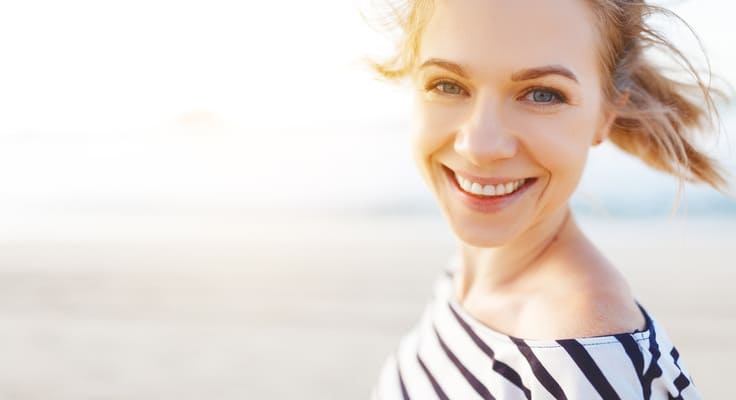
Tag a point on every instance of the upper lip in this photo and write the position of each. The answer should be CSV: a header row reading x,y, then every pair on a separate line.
x,y
484,180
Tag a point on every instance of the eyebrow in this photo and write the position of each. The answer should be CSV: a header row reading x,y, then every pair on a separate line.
x,y
523,75
533,73
444,64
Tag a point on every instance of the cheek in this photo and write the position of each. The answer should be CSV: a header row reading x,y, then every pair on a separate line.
x,y
554,138
433,124
433,128
559,143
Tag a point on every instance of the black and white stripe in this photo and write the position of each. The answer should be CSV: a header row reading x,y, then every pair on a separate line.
x,y
477,385
450,355
503,369
682,382
435,385
589,369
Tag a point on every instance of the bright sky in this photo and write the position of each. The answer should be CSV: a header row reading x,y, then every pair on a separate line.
x,y
96,65
88,87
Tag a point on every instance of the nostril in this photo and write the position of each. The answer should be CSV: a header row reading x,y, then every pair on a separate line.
x,y
485,146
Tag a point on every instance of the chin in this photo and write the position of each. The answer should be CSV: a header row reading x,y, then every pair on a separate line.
x,y
476,234
481,239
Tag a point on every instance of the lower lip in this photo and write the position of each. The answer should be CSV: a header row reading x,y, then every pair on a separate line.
x,y
487,204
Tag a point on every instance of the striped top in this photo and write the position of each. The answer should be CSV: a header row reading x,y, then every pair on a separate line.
x,y
451,355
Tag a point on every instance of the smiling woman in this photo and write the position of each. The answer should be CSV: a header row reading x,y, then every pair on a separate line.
x,y
509,98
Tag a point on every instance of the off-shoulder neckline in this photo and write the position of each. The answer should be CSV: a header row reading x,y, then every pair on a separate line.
x,y
494,335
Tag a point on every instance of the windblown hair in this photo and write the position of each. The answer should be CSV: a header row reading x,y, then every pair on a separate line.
x,y
658,118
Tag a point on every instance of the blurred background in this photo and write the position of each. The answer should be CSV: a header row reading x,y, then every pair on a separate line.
x,y
217,200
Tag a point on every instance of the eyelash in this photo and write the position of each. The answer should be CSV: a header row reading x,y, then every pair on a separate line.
x,y
433,86
559,98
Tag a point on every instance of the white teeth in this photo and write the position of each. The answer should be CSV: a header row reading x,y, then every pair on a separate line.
x,y
500,189
465,184
488,190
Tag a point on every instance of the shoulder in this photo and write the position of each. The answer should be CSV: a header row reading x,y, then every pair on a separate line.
x,y
584,315
591,298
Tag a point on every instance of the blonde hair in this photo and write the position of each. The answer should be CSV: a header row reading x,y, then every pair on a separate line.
x,y
658,118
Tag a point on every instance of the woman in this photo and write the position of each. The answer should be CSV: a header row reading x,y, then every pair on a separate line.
x,y
510,96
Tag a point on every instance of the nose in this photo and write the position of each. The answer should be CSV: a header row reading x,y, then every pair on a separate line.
x,y
484,138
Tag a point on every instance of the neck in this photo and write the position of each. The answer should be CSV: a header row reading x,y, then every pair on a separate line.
x,y
496,268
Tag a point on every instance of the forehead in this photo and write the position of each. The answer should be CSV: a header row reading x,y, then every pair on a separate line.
x,y
499,36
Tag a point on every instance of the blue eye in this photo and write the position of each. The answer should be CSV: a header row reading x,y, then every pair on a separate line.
x,y
544,96
447,87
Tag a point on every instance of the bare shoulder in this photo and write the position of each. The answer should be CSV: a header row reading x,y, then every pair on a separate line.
x,y
589,298
586,315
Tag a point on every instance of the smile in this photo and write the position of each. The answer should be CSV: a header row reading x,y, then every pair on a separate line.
x,y
488,195
492,190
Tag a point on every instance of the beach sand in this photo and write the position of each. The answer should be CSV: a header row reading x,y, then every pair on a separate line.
x,y
236,307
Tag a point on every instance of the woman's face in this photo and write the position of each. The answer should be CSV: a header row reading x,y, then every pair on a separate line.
x,y
508,102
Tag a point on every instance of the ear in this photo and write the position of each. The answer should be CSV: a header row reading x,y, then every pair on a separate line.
x,y
605,128
609,119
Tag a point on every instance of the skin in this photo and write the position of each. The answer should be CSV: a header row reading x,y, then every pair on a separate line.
x,y
510,90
